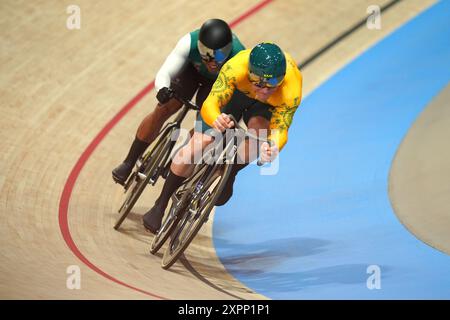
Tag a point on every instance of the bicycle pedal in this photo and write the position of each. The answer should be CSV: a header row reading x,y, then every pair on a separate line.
x,y
154,177
127,185
165,174
194,214
152,180
141,176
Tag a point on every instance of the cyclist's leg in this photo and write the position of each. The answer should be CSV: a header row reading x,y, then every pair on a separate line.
x,y
152,123
257,118
185,83
181,167
182,163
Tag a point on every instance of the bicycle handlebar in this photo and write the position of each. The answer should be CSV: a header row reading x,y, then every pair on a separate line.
x,y
187,102
237,126
252,136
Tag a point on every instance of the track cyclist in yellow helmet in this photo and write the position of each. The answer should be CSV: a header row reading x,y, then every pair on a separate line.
x,y
263,86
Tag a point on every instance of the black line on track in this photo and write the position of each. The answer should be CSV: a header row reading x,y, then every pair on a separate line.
x,y
343,35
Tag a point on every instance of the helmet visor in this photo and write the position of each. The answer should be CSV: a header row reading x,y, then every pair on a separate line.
x,y
217,55
264,82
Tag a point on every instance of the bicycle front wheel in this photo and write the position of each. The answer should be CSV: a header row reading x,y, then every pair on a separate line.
x,y
196,212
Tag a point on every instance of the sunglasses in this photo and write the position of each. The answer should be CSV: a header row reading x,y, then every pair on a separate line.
x,y
214,55
262,82
209,59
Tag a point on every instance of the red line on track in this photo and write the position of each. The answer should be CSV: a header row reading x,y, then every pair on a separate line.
x,y
250,12
73,176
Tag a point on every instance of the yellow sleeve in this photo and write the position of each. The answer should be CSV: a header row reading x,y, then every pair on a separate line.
x,y
220,94
284,109
280,122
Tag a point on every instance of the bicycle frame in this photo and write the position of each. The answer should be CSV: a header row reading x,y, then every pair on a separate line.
x,y
176,123
155,162
192,204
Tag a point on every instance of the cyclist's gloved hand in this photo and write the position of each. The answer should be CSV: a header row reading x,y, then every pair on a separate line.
x,y
223,122
164,95
268,152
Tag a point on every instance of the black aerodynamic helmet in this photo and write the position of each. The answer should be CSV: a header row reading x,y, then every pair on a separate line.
x,y
215,41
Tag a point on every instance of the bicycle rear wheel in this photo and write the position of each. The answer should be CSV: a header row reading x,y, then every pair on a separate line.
x,y
141,177
195,214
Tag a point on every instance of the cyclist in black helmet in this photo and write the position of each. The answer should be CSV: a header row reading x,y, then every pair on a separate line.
x,y
192,66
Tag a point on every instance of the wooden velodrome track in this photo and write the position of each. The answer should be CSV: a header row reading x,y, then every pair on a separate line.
x,y
60,88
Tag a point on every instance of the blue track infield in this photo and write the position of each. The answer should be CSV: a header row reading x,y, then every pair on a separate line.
x,y
312,230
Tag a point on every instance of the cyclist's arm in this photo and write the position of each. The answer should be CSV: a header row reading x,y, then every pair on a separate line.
x,y
174,62
220,94
283,114
279,124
